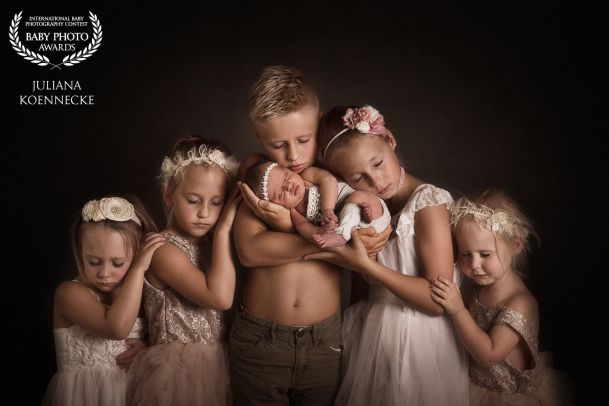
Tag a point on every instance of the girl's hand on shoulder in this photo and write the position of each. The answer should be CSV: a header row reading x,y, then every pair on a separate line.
x,y
229,210
150,243
372,241
446,294
274,215
350,256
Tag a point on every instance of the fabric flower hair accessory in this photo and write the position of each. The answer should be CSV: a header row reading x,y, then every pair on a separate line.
x,y
109,208
496,221
202,155
366,120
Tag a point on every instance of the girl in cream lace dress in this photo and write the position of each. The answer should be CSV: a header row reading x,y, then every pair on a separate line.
x,y
399,348
500,331
189,283
95,313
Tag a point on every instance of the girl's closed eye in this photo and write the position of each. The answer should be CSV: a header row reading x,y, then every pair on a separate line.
x,y
217,202
304,140
379,163
118,264
277,145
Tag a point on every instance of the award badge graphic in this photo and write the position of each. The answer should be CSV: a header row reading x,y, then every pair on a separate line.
x,y
40,36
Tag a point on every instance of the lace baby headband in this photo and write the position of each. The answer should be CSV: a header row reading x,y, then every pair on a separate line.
x,y
109,208
265,180
203,155
366,120
495,220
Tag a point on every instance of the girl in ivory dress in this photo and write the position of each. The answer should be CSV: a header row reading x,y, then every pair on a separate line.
x,y
500,330
94,313
399,347
190,282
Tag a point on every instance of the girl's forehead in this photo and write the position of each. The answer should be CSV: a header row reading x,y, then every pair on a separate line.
x,y
363,145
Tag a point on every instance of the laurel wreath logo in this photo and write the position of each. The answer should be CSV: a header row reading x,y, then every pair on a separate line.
x,y
41,60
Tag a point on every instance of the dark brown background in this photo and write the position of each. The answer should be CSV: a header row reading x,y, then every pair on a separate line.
x,y
503,95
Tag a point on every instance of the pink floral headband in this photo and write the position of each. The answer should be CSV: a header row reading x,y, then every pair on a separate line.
x,y
366,120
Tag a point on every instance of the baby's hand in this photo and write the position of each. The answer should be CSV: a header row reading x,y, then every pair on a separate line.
x,y
150,243
328,228
328,216
447,295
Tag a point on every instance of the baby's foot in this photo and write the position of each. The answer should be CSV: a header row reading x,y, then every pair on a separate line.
x,y
366,212
328,240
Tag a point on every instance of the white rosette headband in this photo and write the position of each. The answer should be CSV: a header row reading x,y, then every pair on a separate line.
x,y
203,155
109,208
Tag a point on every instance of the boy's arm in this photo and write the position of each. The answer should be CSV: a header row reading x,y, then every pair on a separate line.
x,y
328,189
257,246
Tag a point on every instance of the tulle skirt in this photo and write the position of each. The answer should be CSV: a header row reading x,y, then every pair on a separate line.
x,y
395,355
180,374
87,386
556,389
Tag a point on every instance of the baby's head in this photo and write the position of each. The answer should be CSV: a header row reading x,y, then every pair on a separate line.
x,y
274,183
105,237
494,214
195,179
284,110
358,147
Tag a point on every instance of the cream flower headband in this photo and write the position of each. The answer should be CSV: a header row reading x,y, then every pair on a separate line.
x,y
203,155
496,221
366,120
109,208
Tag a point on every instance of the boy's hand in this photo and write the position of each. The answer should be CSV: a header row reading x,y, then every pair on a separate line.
x,y
275,216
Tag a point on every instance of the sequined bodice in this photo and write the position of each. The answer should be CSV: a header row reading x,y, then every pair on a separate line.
x,y
76,348
171,317
503,377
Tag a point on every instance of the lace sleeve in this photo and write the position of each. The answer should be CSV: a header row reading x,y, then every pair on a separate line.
x,y
429,195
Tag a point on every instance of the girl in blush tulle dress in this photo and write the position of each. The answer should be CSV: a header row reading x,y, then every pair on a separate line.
x,y
94,314
399,347
189,283
500,330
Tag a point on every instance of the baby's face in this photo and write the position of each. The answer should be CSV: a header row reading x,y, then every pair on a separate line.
x,y
285,187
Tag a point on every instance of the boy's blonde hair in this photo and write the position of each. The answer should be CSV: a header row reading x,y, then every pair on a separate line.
x,y
278,91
